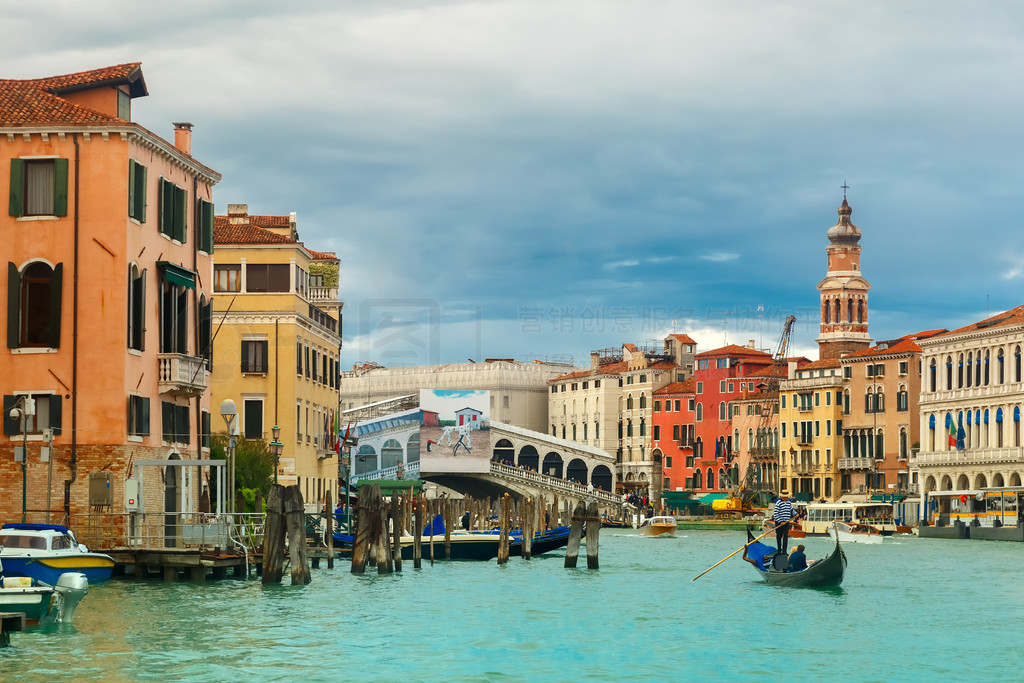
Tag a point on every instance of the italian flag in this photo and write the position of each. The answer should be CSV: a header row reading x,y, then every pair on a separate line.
x,y
952,432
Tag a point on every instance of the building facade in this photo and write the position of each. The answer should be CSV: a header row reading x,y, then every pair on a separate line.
x,y
673,434
108,238
810,431
278,347
972,396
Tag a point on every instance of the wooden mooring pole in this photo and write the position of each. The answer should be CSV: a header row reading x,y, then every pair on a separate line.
x,y
593,529
417,533
295,518
572,550
273,536
505,519
396,531
328,529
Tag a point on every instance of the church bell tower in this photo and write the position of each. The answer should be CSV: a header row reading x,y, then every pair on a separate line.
x,y
844,293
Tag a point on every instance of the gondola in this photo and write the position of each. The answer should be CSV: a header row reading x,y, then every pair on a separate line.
x,y
826,572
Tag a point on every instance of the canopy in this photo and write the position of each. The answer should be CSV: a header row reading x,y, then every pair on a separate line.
x,y
392,486
177,275
712,497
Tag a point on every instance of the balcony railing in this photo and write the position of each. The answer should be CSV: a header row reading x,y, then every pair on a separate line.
x,y
182,375
856,463
323,294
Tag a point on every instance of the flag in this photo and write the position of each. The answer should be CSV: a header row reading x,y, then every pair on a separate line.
x,y
952,431
336,434
960,434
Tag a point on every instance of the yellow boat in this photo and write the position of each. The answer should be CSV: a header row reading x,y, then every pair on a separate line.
x,y
658,526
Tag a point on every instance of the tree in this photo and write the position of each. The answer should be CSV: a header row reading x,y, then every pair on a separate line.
x,y
254,463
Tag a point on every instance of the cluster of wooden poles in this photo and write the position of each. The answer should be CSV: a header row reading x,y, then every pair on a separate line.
x,y
381,525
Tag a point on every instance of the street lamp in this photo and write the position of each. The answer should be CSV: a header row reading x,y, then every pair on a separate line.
x,y
28,407
229,412
276,446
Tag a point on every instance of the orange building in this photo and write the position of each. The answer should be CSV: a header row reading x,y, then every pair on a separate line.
x,y
107,239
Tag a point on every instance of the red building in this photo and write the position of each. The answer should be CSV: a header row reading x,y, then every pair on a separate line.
x,y
672,433
722,376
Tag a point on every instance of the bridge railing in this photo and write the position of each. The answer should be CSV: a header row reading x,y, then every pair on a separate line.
x,y
409,471
546,481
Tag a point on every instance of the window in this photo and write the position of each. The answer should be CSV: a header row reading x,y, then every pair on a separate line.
x,y
137,309
252,416
254,356
700,387
269,277
643,378
597,384
174,308
721,410
205,226
847,372
227,278
902,401
39,187
702,365
657,406
675,432
124,105
34,305
136,191
721,386
903,367
175,422
657,432
677,405
298,359
722,363
138,416
700,412
47,410
173,210
586,385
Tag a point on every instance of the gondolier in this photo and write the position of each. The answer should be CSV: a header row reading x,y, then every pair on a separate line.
x,y
782,515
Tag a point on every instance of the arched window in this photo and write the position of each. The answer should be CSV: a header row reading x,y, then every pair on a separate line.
x,y
986,377
1016,364
700,412
629,402
750,439
860,311
698,480
949,372
629,428
932,371
33,317
931,432
721,410
826,311
643,401
643,427
1000,369
711,478
836,303
970,366
960,372
849,310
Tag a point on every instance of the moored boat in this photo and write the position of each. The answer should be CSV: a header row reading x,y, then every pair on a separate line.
x,y
660,525
45,551
772,566
470,545
819,518
855,533
41,602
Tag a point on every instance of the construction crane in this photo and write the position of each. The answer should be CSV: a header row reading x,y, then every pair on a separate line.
x,y
754,493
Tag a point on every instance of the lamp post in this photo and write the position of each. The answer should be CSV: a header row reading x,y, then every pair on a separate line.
x,y
229,412
276,446
27,408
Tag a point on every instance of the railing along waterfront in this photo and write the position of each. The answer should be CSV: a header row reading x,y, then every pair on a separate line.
x,y
182,530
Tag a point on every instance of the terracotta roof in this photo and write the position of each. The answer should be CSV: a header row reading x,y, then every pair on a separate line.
x,y
821,364
606,369
907,344
684,387
331,256
662,365
781,371
733,349
1014,316
631,347
684,338
225,233
37,101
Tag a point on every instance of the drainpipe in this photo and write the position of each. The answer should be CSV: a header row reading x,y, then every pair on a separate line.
x,y
197,318
73,464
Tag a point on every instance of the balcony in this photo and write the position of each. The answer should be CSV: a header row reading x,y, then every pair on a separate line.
x,y
182,375
323,294
857,464
804,439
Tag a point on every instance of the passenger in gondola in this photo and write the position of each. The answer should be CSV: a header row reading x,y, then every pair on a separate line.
x,y
798,560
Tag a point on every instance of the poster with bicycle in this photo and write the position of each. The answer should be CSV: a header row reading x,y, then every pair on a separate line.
x,y
456,423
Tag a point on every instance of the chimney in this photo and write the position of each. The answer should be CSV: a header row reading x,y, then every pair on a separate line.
x,y
238,214
750,344
183,137
292,229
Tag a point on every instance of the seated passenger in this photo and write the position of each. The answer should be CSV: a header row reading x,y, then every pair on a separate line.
x,y
797,560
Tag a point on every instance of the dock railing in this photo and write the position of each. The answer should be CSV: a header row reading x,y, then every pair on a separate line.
x,y
159,530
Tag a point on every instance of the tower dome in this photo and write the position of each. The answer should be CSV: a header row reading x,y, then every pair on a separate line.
x,y
844,232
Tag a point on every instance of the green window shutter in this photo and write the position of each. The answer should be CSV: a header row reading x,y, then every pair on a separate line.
x,y
60,187
55,299
206,226
167,420
141,320
140,193
13,307
180,214
131,188
206,429
17,205
166,206
55,413
143,416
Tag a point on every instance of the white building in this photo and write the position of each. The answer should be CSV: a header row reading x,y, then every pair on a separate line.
x,y
973,378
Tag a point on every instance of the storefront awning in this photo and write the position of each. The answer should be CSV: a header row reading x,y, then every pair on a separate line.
x,y
391,486
712,497
177,275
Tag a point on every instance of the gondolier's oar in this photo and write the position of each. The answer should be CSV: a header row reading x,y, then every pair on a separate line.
x,y
743,548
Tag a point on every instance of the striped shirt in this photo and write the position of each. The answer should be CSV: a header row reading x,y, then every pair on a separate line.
x,y
783,511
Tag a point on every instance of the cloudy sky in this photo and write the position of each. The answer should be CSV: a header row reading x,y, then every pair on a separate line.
x,y
536,179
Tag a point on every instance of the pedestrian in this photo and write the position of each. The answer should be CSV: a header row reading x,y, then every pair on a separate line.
x,y
782,515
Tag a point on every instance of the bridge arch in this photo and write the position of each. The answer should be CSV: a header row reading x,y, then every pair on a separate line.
x,y
391,453
553,465
576,471
528,457
601,478
366,459
504,451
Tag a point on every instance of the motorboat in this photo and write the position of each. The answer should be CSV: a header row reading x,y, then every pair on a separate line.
x,y
45,551
41,602
848,532
659,525
773,566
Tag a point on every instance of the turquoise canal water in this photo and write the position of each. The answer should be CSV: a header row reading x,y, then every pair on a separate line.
x,y
910,608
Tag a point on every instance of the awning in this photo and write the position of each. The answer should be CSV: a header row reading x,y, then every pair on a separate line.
x,y
177,275
712,496
888,497
391,486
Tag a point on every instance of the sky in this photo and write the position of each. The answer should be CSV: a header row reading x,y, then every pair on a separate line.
x,y
541,178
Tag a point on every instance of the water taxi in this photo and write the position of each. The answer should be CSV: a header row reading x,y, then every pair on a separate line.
x,y
854,533
986,513
661,525
819,518
41,602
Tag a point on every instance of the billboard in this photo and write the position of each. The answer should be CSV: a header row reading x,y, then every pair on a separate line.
x,y
455,429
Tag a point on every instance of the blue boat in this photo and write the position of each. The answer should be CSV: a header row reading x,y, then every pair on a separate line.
x,y
45,551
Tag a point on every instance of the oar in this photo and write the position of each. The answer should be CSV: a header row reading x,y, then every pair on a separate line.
x,y
733,553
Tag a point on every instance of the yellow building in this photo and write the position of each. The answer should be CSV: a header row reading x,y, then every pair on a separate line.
x,y
277,344
811,431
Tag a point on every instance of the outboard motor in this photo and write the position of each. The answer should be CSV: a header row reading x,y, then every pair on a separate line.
x,y
71,587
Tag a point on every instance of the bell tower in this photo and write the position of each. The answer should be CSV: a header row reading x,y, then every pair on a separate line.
x,y
843,292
